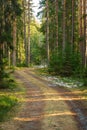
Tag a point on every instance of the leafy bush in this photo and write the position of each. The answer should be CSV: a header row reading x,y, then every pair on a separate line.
x,y
6,104
7,83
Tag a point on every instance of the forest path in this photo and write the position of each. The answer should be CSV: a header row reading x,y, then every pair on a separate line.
x,y
45,107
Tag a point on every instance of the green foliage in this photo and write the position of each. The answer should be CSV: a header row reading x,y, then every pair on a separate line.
x,y
85,76
37,44
3,74
6,104
56,62
6,82
66,64
9,10
85,81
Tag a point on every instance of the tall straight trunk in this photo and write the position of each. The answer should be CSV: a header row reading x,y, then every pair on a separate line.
x,y
72,37
47,31
14,43
64,25
28,45
56,13
3,30
80,27
84,29
3,27
25,41
86,37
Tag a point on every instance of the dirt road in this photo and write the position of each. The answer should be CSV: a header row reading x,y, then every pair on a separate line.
x,y
46,107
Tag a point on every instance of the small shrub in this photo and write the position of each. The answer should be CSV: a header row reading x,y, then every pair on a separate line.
x,y
85,77
6,104
66,64
85,82
7,84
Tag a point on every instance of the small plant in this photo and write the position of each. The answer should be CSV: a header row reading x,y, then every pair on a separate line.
x,y
67,64
6,104
85,77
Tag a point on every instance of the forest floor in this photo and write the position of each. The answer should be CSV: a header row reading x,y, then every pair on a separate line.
x,y
45,107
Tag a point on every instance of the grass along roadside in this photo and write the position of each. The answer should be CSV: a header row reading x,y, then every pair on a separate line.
x,y
69,82
75,85
10,100
6,104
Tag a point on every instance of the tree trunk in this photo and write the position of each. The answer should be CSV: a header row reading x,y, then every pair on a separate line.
x,y
84,26
47,31
80,28
56,13
14,43
64,25
72,37
86,35
28,47
25,41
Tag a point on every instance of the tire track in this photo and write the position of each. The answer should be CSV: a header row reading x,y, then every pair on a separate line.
x,y
80,115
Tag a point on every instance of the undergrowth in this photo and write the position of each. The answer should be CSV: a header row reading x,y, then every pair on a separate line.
x,y
82,81
6,104
10,93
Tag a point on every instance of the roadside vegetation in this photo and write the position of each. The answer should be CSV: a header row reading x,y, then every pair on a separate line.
x,y
73,84
10,93
7,102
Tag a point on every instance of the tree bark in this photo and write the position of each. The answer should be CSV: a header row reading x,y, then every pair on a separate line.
x,y
72,38
24,22
28,47
47,31
64,24
80,27
14,43
56,13
82,30
84,18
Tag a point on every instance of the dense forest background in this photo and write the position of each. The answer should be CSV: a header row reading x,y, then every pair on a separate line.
x,y
59,41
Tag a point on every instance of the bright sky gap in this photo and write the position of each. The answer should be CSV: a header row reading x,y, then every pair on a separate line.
x,y
35,8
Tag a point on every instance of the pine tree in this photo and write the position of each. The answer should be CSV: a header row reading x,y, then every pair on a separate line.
x,y
47,31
